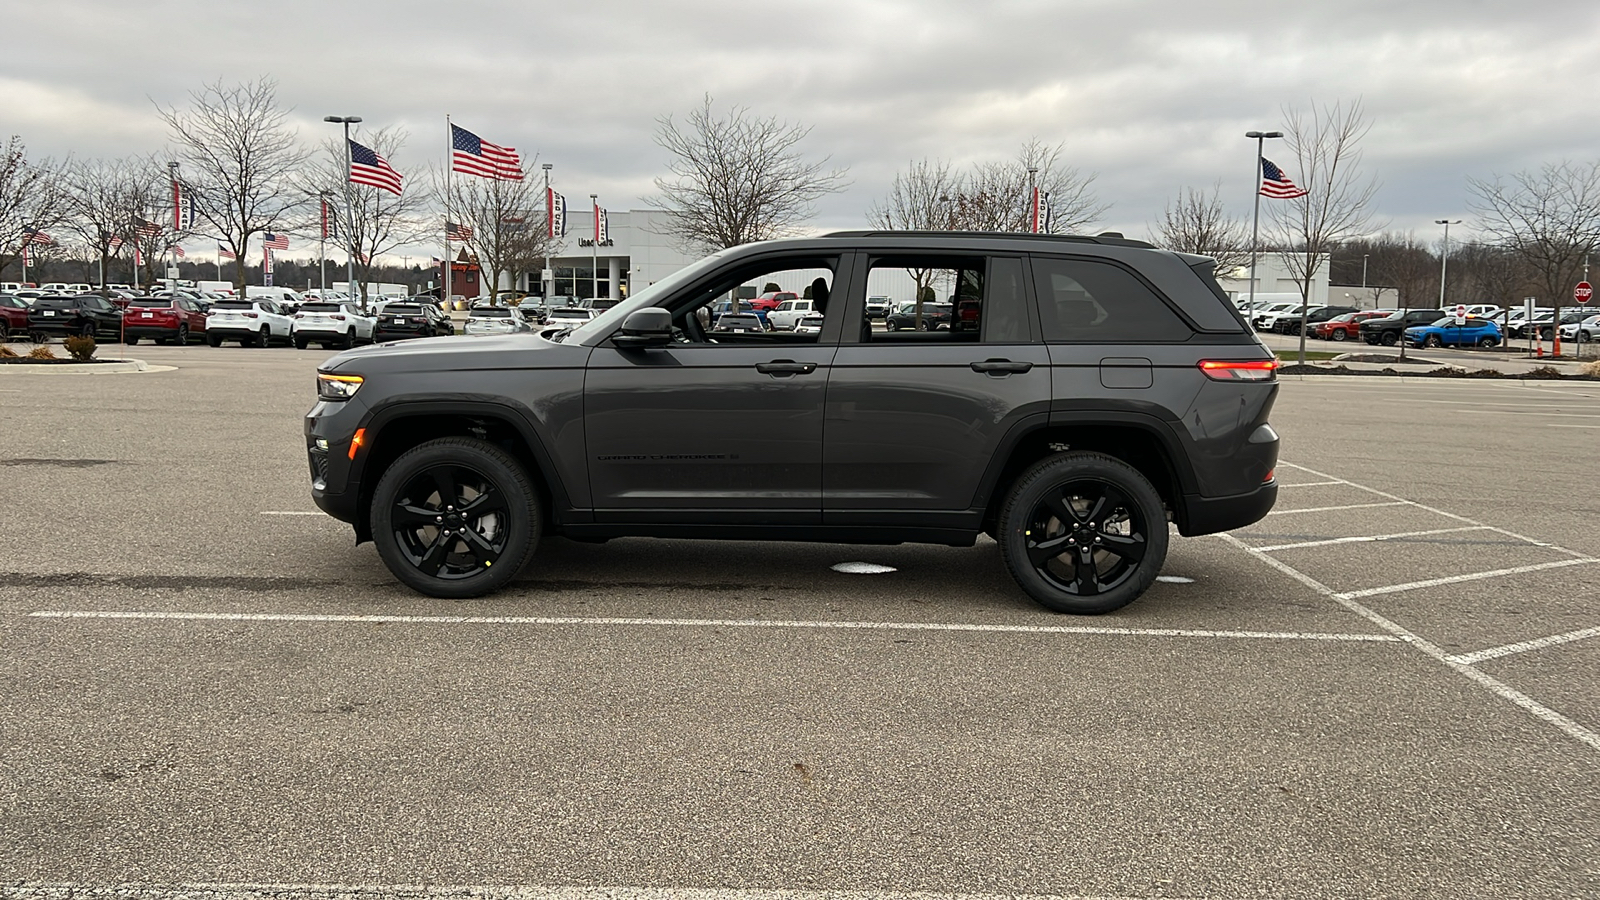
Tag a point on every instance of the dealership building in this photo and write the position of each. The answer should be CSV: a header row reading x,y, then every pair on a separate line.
x,y
639,250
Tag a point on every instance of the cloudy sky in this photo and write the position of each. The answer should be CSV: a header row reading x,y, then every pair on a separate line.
x,y
1151,96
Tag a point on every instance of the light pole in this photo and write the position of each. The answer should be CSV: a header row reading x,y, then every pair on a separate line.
x,y
1255,221
594,249
1364,279
349,233
546,277
1444,258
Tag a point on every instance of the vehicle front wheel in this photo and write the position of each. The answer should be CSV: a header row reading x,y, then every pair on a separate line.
x,y
1388,339
1487,342
1432,340
1339,335
1083,533
455,518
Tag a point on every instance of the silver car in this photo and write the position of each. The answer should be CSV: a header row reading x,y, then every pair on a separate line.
x,y
497,320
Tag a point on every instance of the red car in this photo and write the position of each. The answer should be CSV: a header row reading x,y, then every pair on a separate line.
x,y
163,319
769,301
1346,327
13,316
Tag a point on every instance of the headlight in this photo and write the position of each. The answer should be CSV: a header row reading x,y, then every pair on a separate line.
x,y
337,387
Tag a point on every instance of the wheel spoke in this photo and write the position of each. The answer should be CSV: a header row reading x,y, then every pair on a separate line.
x,y
1085,577
1057,503
444,479
1041,552
1129,547
489,501
408,516
480,548
433,559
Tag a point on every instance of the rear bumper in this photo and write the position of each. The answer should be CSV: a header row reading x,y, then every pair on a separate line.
x,y
1209,515
151,331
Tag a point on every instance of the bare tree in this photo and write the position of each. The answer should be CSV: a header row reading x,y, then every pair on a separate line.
x,y
921,198
1549,218
997,196
239,159
738,179
1198,223
1324,147
100,198
510,231
1490,272
31,197
372,222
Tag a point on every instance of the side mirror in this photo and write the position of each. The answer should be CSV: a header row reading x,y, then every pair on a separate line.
x,y
644,328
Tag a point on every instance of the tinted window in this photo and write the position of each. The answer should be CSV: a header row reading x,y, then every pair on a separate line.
x,y
151,302
55,303
402,309
1005,315
232,304
1086,301
492,313
321,307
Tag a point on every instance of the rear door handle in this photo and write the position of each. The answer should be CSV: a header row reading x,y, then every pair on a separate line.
x,y
783,368
1001,366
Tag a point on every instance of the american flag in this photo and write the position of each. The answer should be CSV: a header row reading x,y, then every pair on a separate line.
x,y
556,213
473,155
454,232
36,236
272,241
146,229
175,250
225,253
367,167
115,243
1276,184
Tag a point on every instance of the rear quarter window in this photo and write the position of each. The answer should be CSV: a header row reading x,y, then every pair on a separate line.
x,y
1083,301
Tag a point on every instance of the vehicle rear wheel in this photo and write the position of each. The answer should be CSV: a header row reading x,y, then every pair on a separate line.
x,y
923,325
38,337
5,333
455,517
86,330
213,340
263,339
183,335
1083,533
129,339
300,343
349,340
1339,334
1388,339
1432,340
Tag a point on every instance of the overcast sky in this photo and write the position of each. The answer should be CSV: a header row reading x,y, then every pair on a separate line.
x,y
1151,97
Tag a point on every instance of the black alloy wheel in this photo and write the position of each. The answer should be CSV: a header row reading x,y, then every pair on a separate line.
x,y
86,330
1083,533
455,517
1432,340
1486,342
5,332
183,335
1388,339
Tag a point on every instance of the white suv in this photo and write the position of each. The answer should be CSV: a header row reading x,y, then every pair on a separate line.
x,y
333,325
253,323
788,314
496,320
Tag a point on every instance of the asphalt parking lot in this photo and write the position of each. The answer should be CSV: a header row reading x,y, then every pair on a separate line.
x,y
1390,687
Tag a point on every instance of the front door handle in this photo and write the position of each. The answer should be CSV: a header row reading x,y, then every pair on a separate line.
x,y
782,368
1001,366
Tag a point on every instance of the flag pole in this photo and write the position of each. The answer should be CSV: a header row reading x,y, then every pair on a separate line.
x,y
444,264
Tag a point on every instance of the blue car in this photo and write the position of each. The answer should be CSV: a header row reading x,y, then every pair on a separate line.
x,y
1446,333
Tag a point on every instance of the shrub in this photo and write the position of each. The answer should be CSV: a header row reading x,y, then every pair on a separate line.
x,y
41,352
82,348
8,353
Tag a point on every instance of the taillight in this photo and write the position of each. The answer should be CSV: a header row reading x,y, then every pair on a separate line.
x,y
1240,369
299,315
340,318
252,315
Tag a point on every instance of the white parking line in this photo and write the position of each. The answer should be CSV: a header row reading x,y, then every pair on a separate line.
x,y
1370,538
706,623
1555,425
1309,484
45,890
1498,688
291,512
1470,659
1316,509
1457,579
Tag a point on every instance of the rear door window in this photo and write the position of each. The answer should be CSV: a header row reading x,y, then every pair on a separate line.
x,y
1084,301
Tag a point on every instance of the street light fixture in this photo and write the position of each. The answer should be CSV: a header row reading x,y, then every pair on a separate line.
x,y
1444,258
1255,222
349,258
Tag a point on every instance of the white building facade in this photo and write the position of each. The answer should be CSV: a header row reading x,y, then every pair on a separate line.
x,y
639,250
1273,277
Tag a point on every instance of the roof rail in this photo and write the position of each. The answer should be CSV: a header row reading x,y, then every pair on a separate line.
x,y
1106,237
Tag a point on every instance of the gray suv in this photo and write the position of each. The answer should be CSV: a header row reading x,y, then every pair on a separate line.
x,y
1086,392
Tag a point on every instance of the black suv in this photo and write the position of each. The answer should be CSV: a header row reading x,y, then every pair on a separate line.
x,y
1091,391
409,320
1389,329
90,315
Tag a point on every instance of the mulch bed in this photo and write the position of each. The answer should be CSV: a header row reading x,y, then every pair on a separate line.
x,y
1543,372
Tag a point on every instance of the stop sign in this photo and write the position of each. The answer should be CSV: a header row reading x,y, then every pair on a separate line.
x,y
1582,292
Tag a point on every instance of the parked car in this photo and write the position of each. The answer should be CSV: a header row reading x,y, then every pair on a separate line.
x,y
811,324
1569,316
1268,321
1314,317
163,319
788,313
1584,330
769,301
569,315
1347,326
723,307
1388,330
496,320
739,323
600,304
1542,320
878,307
935,315
332,325
13,317
1258,316
57,315
258,322
1446,333
641,423
412,320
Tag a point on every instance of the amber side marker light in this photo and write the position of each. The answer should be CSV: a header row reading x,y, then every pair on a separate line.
x,y
356,442
1240,369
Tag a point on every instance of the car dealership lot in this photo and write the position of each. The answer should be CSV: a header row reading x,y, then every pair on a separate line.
x,y
205,682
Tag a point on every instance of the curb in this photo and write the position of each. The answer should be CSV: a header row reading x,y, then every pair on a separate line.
x,y
119,367
1415,378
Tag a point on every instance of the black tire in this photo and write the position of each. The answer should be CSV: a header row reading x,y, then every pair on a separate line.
x,y
130,340
349,340
301,343
38,337
1546,334
263,339
924,325
183,335
5,333
1109,552
1487,342
213,340
1432,340
420,485
86,330
1388,339
1339,334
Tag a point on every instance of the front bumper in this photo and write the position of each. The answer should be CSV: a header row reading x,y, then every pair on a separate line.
x,y
329,428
